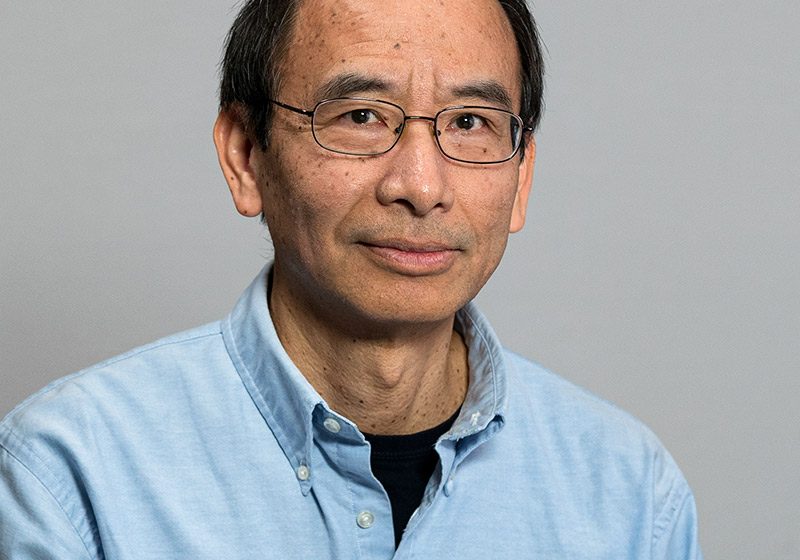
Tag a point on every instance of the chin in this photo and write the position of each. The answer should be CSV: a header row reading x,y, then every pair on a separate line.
x,y
367,301
398,309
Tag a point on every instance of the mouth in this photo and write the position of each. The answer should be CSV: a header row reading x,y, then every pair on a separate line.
x,y
412,258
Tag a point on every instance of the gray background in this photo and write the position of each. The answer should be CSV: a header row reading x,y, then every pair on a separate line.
x,y
659,267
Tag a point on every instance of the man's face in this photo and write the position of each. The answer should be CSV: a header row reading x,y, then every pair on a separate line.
x,y
408,236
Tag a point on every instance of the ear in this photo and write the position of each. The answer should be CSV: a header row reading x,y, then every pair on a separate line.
x,y
524,184
235,150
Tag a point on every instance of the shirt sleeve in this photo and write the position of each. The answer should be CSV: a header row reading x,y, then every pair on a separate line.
x,y
33,524
675,536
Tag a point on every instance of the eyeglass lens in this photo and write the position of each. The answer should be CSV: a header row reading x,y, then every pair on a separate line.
x,y
369,127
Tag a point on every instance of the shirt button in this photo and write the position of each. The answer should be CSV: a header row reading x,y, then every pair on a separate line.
x,y
332,425
365,519
303,473
448,487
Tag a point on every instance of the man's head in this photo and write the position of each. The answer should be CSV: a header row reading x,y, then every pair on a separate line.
x,y
398,237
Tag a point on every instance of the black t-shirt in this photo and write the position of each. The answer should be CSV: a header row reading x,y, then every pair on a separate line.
x,y
403,465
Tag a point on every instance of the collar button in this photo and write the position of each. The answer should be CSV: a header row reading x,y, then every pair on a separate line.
x,y
303,473
332,425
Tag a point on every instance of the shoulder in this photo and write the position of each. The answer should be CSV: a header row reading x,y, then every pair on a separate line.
x,y
596,441
561,403
82,431
106,390
591,432
608,454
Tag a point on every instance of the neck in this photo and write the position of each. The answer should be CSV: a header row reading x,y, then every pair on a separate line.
x,y
393,381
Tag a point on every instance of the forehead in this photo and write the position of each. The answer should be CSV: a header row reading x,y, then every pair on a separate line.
x,y
415,47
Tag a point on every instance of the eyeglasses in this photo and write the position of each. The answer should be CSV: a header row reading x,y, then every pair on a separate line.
x,y
370,127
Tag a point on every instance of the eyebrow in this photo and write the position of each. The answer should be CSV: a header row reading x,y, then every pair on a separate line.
x,y
490,91
351,83
345,85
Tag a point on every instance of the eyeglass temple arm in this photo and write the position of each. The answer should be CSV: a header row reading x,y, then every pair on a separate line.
x,y
293,109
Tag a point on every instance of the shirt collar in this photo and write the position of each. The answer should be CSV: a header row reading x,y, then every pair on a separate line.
x,y
486,396
281,393
287,401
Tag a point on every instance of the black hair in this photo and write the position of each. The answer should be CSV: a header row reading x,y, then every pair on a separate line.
x,y
260,35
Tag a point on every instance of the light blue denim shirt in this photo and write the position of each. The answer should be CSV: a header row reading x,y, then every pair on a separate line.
x,y
211,444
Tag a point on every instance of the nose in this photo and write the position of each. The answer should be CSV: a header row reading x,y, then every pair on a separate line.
x,y
416,175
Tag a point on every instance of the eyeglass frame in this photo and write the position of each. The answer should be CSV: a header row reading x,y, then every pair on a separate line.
x,y
310,113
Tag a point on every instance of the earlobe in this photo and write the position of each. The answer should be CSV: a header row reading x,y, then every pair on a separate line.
x,y
234,151
524,184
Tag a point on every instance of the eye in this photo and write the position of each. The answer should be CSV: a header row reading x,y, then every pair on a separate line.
x,y
468,121
362,116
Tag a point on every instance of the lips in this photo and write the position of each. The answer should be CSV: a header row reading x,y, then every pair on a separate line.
x,y
412,246
412,257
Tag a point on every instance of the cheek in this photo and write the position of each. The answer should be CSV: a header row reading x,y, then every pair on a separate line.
x,y
492,206
288,205
305,202
490,215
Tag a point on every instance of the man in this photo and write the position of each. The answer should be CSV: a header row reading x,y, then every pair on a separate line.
x,y
354,404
